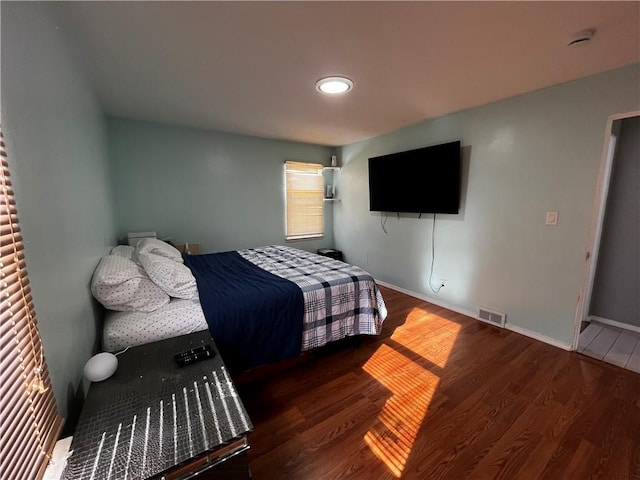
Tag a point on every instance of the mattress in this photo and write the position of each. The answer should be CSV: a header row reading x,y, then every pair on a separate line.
x,y
128,329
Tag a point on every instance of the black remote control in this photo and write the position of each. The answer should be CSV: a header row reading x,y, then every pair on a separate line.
x,y
193,351
195,355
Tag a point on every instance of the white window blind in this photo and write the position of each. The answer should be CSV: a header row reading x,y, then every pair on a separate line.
x,y
305,190
30,422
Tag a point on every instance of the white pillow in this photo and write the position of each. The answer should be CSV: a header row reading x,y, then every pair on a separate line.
x,y
119,284
124,251
158,247
174,278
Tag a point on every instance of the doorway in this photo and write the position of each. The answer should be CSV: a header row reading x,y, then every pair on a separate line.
x,y
608,313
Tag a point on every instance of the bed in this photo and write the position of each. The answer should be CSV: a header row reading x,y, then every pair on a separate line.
x,y
261,305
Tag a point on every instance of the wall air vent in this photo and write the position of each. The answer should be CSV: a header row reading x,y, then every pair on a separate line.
x,y
492,317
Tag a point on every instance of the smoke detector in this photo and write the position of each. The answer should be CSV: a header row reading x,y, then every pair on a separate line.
x,y
581,37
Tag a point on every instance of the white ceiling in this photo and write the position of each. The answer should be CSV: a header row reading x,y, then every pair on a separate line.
x,y
250,67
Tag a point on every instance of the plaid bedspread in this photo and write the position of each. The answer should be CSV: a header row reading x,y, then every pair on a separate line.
x,y
339,299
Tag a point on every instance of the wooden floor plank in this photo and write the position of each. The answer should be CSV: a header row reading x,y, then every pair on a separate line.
x,y
442,396
581,464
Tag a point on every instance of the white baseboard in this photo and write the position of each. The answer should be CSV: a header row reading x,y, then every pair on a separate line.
x,y
426,298
538,336
614,323
474,315
58,459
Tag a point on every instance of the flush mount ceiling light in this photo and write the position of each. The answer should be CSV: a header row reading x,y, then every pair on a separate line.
x,y
334,85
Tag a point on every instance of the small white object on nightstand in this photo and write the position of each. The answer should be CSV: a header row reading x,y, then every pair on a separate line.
x,y
100,367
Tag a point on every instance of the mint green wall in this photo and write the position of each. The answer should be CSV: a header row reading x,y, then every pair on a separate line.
x,y
56,142
223,190
523,156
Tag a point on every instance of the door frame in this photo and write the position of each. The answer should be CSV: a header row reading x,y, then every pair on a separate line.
x,y
597,222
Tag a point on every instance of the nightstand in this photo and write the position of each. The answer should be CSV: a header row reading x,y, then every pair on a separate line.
x,y
331,253
153,419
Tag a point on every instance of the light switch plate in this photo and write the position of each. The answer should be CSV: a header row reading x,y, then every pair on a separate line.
x,y
552,218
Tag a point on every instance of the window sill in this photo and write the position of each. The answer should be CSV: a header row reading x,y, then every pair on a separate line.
x,y
301,238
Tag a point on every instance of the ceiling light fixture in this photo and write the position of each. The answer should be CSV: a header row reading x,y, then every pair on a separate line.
x,y
334,85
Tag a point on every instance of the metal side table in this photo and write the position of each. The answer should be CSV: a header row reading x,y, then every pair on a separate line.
x,y
153,419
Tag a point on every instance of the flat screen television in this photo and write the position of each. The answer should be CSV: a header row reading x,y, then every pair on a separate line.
x,y
424,180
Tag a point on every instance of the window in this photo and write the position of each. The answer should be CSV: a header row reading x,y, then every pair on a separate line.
x,y
30,422
304,185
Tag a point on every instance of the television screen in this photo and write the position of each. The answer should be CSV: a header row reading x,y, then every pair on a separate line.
x,y
425,180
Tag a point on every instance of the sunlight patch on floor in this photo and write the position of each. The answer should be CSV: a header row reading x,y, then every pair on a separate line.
x,y
437,347
412,387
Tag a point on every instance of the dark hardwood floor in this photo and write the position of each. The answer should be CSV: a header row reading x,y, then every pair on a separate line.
x,y
442,396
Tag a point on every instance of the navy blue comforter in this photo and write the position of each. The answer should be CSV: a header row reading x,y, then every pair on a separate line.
x,y
254,317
